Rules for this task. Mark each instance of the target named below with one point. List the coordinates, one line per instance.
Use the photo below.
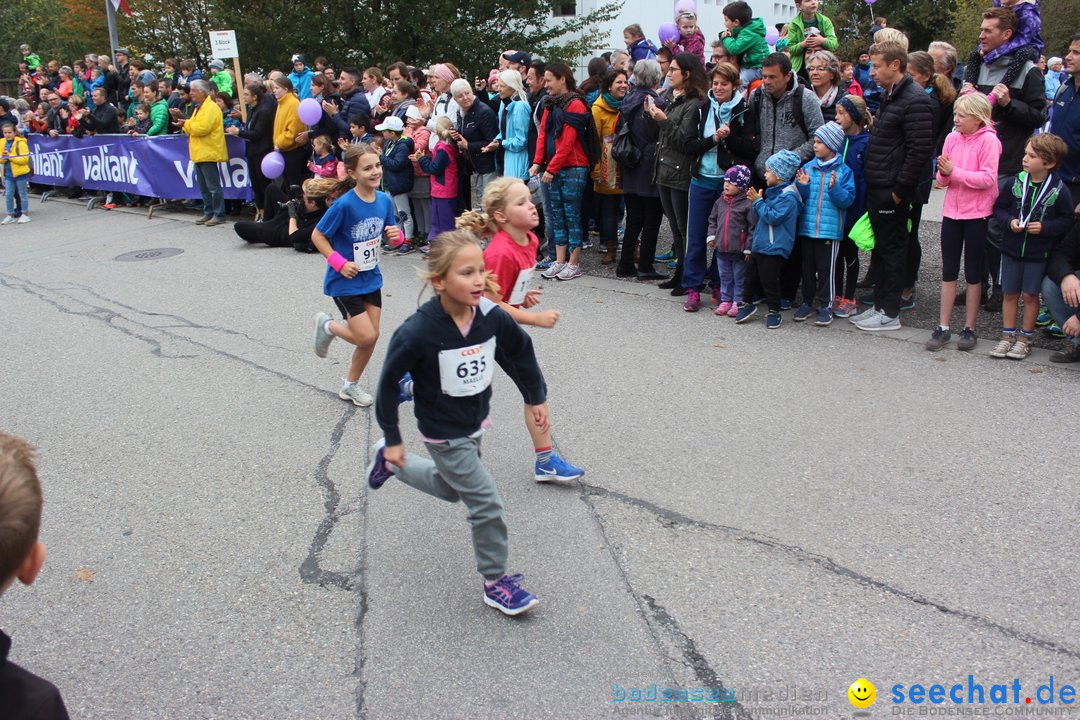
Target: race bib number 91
(467, 371)
(366, 253)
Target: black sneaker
(938, 339)
(1067, 356)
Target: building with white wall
(650, 14)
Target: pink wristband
(336, 260)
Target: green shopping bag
(862, 234)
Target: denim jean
(566, 191)
(1055, 303)
(11, 187)
(213, 197)
(697, 265)
(610, 207)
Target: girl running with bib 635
(449, 346)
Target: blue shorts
(1018, 276)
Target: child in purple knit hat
(731, 225)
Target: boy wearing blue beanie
(827, 188)
(777, 213)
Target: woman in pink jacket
(967, 169)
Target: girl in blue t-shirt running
(350, 235)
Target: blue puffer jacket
(854, 149)
(823, 217)
(397, 166)
(777, 215)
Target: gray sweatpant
(454, 473)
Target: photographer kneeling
(290, 222)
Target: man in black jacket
(1061, 292)
(353, 101)
(100, 118)
(1019, 111)
(55, 122)
(900, 147)
(122, 70)
(477, 127)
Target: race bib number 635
(467, 371)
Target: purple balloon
(772, 36)
(273, 164)
(685, 6)
(310, 111)
(669, 33)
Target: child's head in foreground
(21, 555)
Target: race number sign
(467, 371)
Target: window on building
(565, 8)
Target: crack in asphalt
(675, 518)
(107, 315)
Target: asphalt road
(773, 514)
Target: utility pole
(110, 14)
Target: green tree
(923, 20)
(371, 32)
(1061, 20)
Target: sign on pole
(223, 44)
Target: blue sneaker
(665, 257)
(322, 338)
(1045, 318)
(673, 264)
(404, 388)
(405, 248)
(543, 264)
(557, 469)
(802, 313)
(746, 311)
(1054, 331)
(773, 320)
(824, 317)
(785, 305)
(377, 473)
(508, 597)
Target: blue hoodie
(777, 213)
(854, 149)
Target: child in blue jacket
(827, 188)
(777, 213)
(398, 170)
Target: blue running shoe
(543, 264)
(508, 597)
(405, 248)
(664, 257)
(405, 388)
(824, 318)
(673, 264)
(1054, 331)
(785, 305)
(1045, 318)
(773, 320)
(746, 311)
(802, 313)
(377, 473)
(557, 469)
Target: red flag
(122, 6)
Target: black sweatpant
(764, 271)
(890, 254)
(792, 274)
(818, 268)
(677, 210)
(847, 268)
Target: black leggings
(676, 205)
(967, 237)
(643, 214)
(847, 268)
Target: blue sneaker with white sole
(746, 311)
(377, 472)
(507, 596)
(556, 469)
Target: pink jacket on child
(972, 188)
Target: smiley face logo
(862, 693)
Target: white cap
(413, 113)
(391, 123)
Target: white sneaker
(23, 219)
(555, 269)
(569, 272)
(7, 221)
(864, 315)
(356, 396)
(879, 322)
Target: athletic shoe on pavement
(378, 472)
(553, 270)
(322, 338)
(355, 395)
(507, 596)
(556, 469)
